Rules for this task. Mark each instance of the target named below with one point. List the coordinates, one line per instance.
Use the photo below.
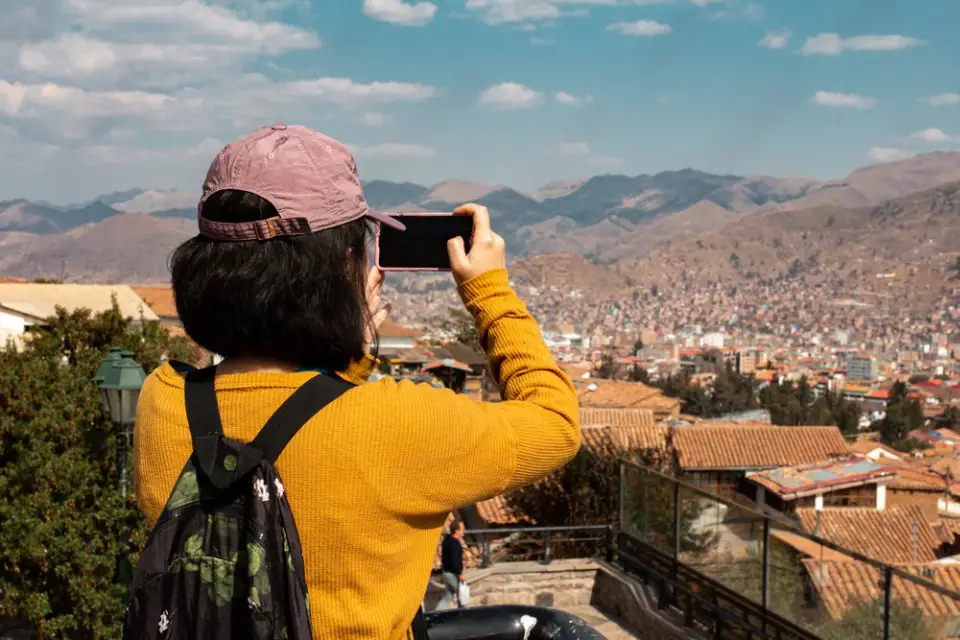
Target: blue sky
(98, 95)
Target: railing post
(547, 548)
(608, 543)
(485, 560)
(887, 593)
(676, 520)
(623, 496)
(676, 536)
(765, 575)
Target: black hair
(300, 300)
(455, 525)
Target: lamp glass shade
(120, 378)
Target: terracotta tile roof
(912, 476)
(755, 447)
(618, 441)
(866, 446)
(159, 299)
(885, 535)
(842, 584)
(618, 394)
(807, 546)
(390, 329)
(496, 512)
(952, 526)
(615, 417)
(792, 482)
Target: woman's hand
(377, 313)
(487, 249)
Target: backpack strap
(306, 402)
(210, 448)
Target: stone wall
(560, 584)
(633, 606)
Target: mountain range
(607, 219)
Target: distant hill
(123, 248)
(633, 222)
(914, 234)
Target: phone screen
(423, 245)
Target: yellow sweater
(372, 478)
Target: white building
(24, 306)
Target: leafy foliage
(731, 393)
(588, 491)
(66, 528)
(795, 404)
(903, 415)
(864, 621)
(608, 369)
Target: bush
(66, 528)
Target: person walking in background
(451, 566)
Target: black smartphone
(422, 246)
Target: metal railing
(705, 552)
(545, 544)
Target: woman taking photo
(277, 283)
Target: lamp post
(120, 378)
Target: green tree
(951, 416)
(864, 621)
(894, 428)
(588, 491)
(66, 529)
(638, 374)
(608, 368)
(903, 415)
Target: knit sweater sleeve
(477, 450)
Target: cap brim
(388, 220)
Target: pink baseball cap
(309, 178)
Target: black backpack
(224, 559)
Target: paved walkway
(607, 627)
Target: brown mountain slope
(880, 182)
(126, 248)
(916, 233)
(569, 271)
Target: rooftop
(39, 301)
(798, 481)
(887, 536)
(702, 447)
(159, 298)
(841, 584)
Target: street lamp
(120, 378)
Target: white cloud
(578, 149)
(540, 41)
(831, 44)
(401, 13)
(776, 39)
(886, 154)
(32, 100)
(374, 119)
(933, 135)
(942, 99)
(583, 152)
(842, 100)
(562, 97)
(495, 12)
(508, 96)
(643, 28)
(395, 150)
